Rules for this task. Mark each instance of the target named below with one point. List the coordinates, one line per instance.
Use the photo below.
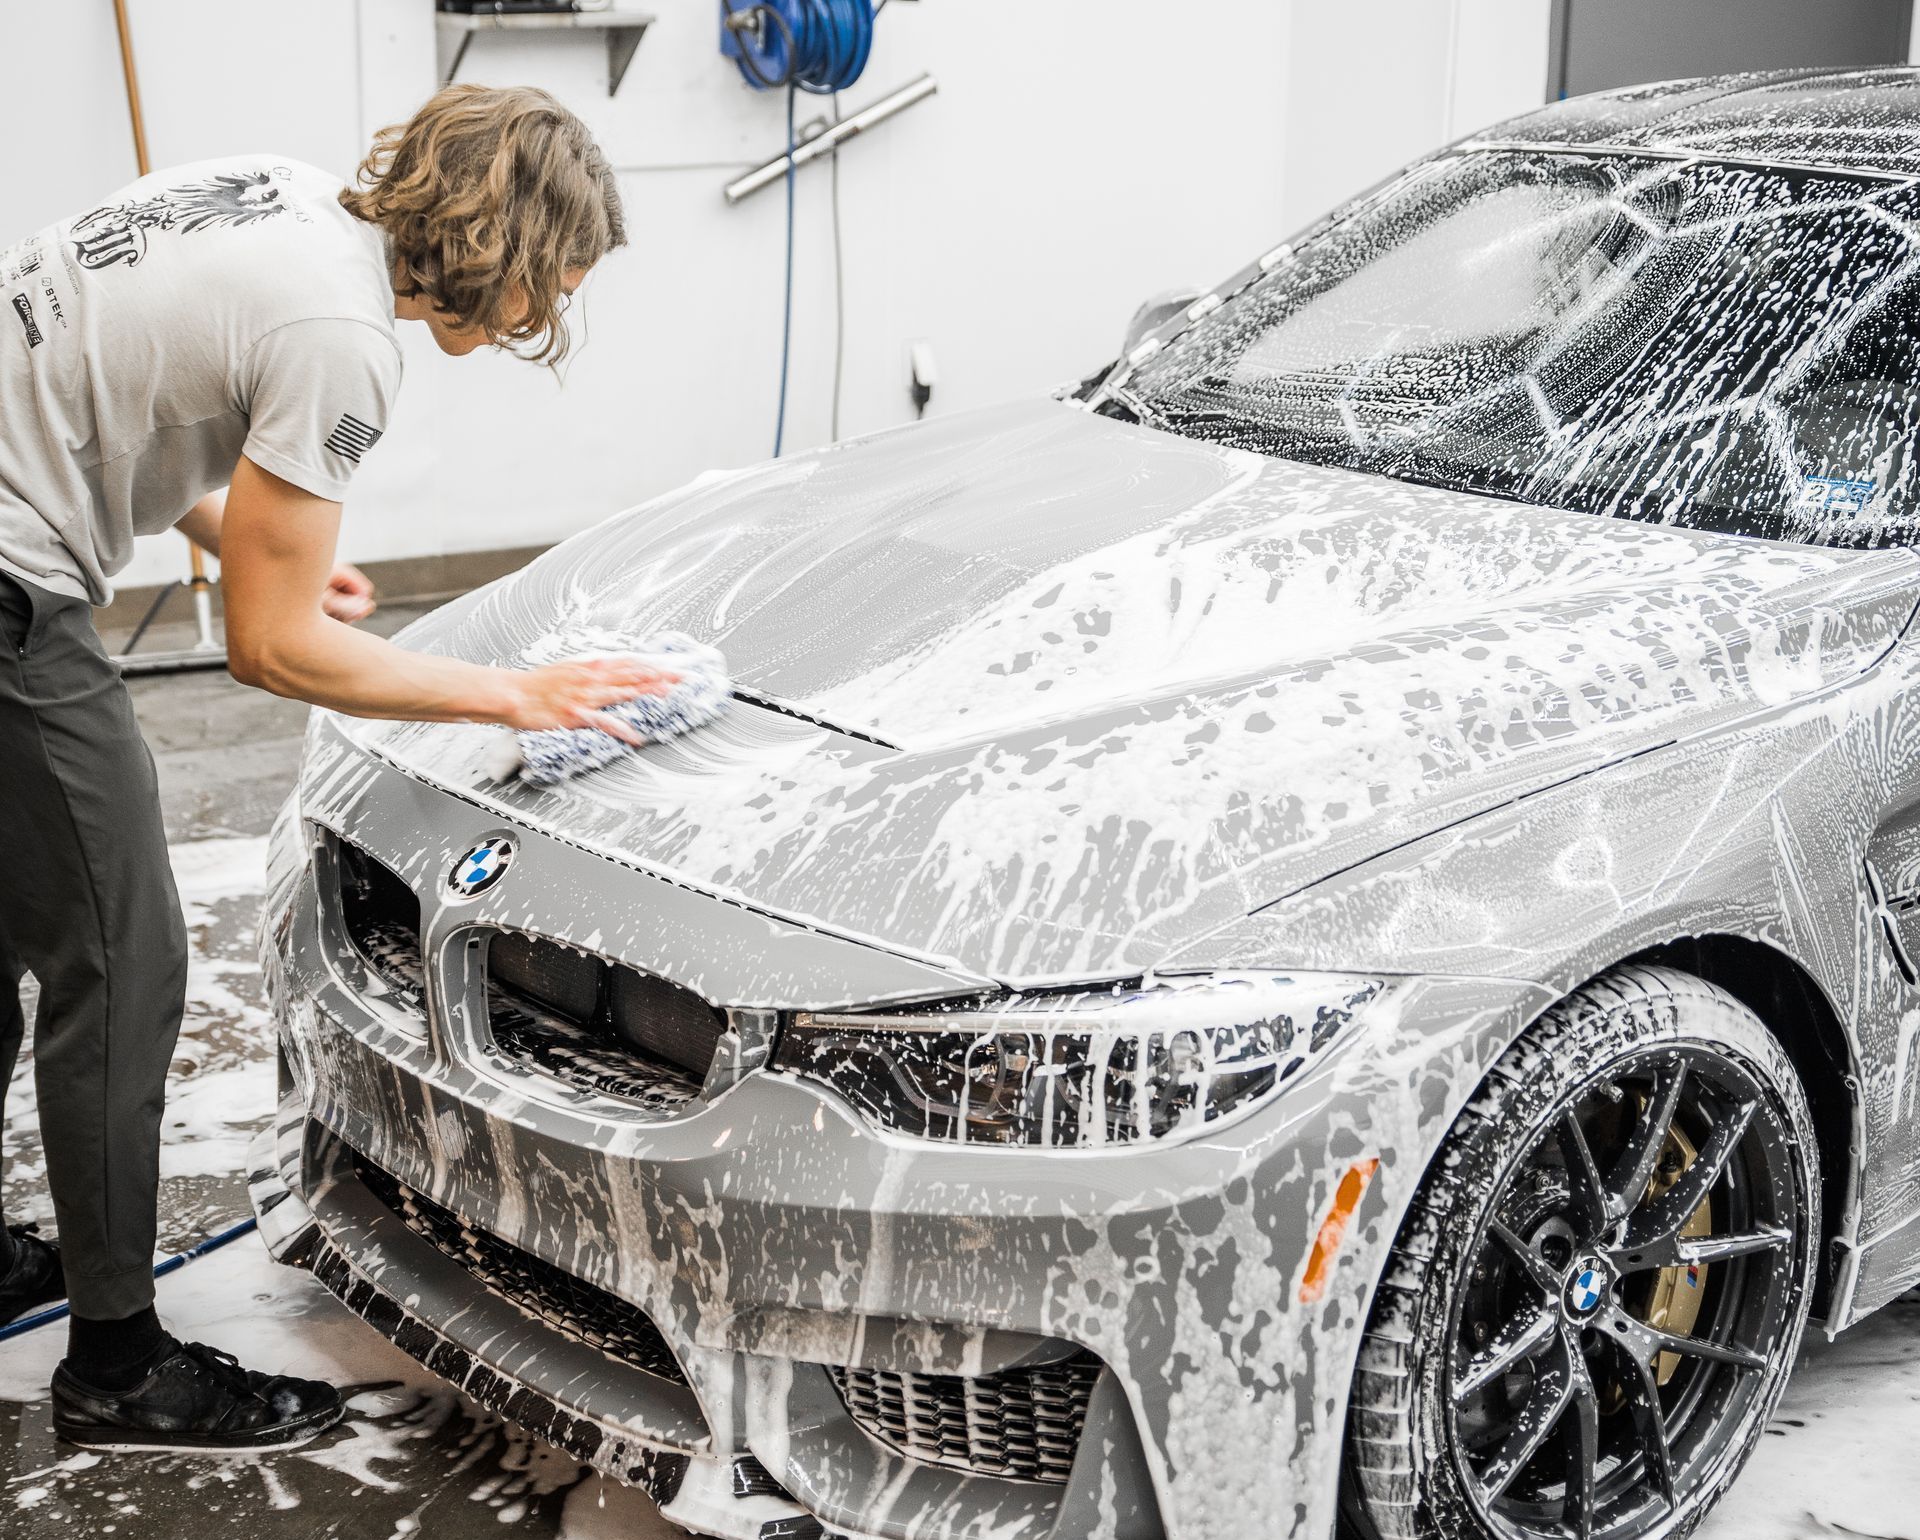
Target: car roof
(1865, 120)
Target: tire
(1470, 1418)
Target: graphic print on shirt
(351, 437)
(23, 307)
(24, 271)
(116, 233)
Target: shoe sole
(288, 1435)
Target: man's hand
(573, 695)
(348, 595)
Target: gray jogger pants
(89, 908)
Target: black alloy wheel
(1596, 1297)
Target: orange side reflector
(1333, 1229)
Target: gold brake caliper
(1674, 1302)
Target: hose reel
(819, 46)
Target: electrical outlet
(925, 374)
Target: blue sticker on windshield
(1835, 495)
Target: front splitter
(730, 1498)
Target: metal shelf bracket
(454, 31)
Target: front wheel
(1597, 1294)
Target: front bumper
(769, 1234)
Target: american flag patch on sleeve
(352, 438)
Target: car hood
(1039, 695)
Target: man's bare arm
(349, 593)
(276, 545)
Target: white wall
(1374, 84)
(1081, 154)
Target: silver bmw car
(1318, 935)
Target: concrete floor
(414, 1459)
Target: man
(226, 323)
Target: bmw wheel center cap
(480, 867)
(1589, 1282)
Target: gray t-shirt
(226, 307)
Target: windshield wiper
(1127, 406)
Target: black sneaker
(195, 1398)
(36, 1278)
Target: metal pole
(202, 587)
(830, 139)
(206, 651)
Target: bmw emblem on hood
(481, 867)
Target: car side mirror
(1154, 313)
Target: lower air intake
(564, 1302)
(1021, 1424)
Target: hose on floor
(165, 1265)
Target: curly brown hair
(489, 198)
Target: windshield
(1711, 345)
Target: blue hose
(819, 46)
(165, 1265)
(786, 317)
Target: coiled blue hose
(819, 46)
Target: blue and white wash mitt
(552, 755)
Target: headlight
(1156, 1060)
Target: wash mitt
(552, 755)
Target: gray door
(1598, 44)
